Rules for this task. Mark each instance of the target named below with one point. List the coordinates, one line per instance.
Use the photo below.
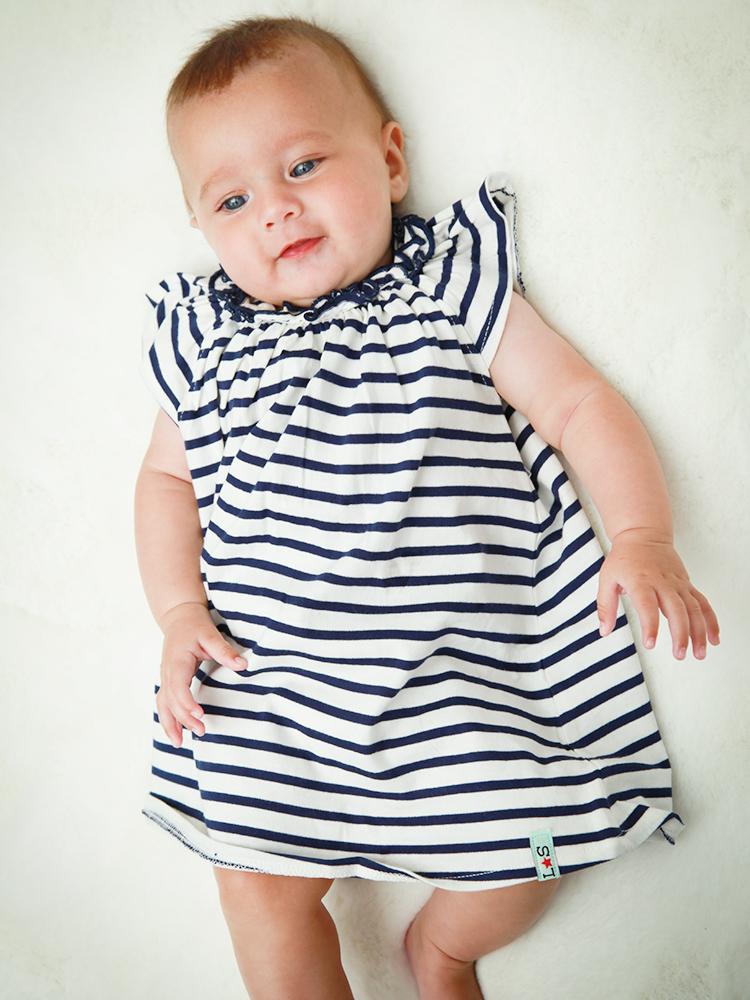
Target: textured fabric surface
(411, 576)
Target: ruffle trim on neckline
(412, 242)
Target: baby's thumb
(225, 654)
(606, 605)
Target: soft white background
(622, 128)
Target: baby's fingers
(171, 726)
(685, 621)
(175, 713)
(709, 615)
(697, 625)
(646, 605)
(174, 701)
(190, 715)
(215, 646)
(606, 603)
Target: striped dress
(411, 577)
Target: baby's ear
(193, 222)
(392, 136)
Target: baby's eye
(233, 202)
(302, 164)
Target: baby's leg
(453, 929)
(284, 939)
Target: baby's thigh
(465, 925)
(261, 894)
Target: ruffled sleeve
(476, 264)
(173, 335)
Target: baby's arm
(576, 411)
(168, 544)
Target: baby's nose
(279, 207)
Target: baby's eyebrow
(285, 142)
(215, 177)
(289, 140)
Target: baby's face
(291, 150)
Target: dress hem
(670, 825)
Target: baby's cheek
(370, 236)
(249, 272)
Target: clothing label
(543, 851)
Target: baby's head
(279, 136)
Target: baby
(388, 625)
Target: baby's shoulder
(184, 319)
(180, 291)
(476, 246)
(488, 206)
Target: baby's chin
(301, 294)
(306, 288)
(292, 297)
(276, 296)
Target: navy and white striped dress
(411, 576)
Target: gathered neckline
(412, 243)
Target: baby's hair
(238, 45)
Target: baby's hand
(190, 637)
(646, 567)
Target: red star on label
(546, 862)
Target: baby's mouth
(300, 247)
